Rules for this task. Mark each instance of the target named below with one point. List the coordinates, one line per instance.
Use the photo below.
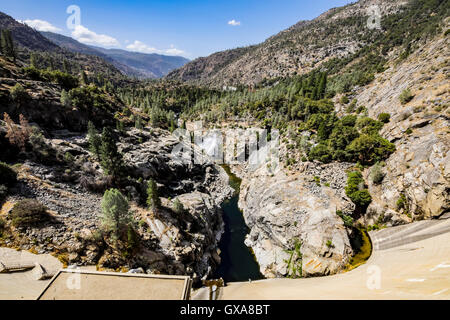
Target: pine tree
(110, 158)
(65, 99)
(138, 122)
(66, 67)
(116, 216)
(94, 140)
(7, 44)
(33, 60)
(84, 79)
(322, 86)
(153, 200)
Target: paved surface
(408, 262)
(88, 285)
(22, 285)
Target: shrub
(402, 202)
(7, 175)
(369, 148)
(28, 212)
(384, 117)
(17, 135)
(68, 157)
(18, 93)
(377, 174)
(178, 206)
(321, 152)
(344, 100)
(406, 96)
(356, 190)
(348, 220)
(361, 198)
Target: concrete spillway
(408, 262)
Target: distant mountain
(151, 65)
(73, 45)
(132, 64)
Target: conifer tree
(94, 140)
(65, 99)
(110, 158)
(153, 200)
(116, 216)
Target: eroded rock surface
(282, 211)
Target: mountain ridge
(133, 64)
(296, 50)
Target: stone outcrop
(282, 211)
(416, 182)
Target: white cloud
(234, 23)
(87, 36)
(139, 46)
(41, 25)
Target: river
(238, 262)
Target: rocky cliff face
(287, 213)
(169, 242)
(417, 181)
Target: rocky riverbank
(294, 226)
(169, 243)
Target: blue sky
(189, 28)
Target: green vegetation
(65, 99)
(7, 175)
(88, 98)
(18, 93)
(178, 206)
(153, 200)
(116, 217)
(348, 139)
(28, 212)
(406, 96)
(7, 46)
(348, 220)
(376, 174)
(64, 79)
(294, 263)
(356, 190)
(402, 203)
(94, 139)
(384, 117)
(110, 158)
